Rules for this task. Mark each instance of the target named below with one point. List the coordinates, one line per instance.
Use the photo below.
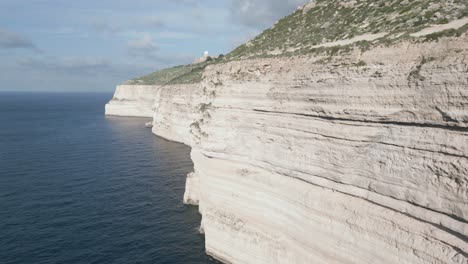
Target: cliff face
(175, 110)
(132, 100)
(172, 107)
(329, 146)
(361, 160)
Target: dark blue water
(77, 187)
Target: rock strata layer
(175, 111)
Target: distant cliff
(340, 135)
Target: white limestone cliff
(172, 107)
(360, 159)
(300, 161)
(175, 111)
(132, 100)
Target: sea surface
(79, 187)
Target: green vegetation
(178, 74)
(446, 33)
(361, 64)
(326, 21)
(333, 20)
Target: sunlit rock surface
(360, 160)
(132, 100)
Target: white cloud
(112, 26)
(82, 66)
(143, 47)
(12, 40)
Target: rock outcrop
(132, 100)
(342, 149)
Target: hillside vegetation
(314, 27)
(325, 21)
(191, 73)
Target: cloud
(11, 40)
(78, 73)
(143, 47)
(259, 14)
(109, 26)
(147, 50)
(151, 22)
(68, 73)
(187, 2)
(72, 66)
(104, 27)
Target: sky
(93, 45)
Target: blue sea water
(79, 187)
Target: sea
(79, 187)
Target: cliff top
(336, 26)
